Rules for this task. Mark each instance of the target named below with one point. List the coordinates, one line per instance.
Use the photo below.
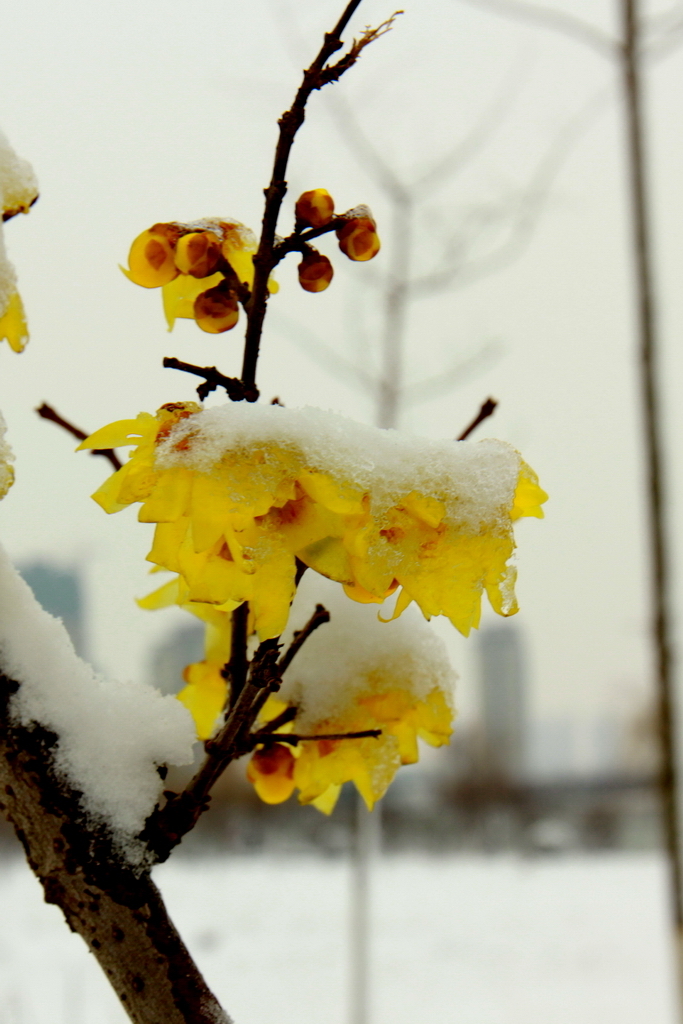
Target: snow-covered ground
(467, 940)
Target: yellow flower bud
(151, 259)
(315, 208)
(216, 309)
(315, 272)
(358, 239)
(198, 253)
(271, 771)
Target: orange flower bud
(271, 770)
(315, 208)
(198, 253)
(315, 272)
(151, 259)
(216, 309)
(358, 239)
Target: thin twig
(319, 616)
(314, 78)
(48, 413)
(237, 668)
(487, 409)
(286, 716)
(560, 21)
(293, 740)
(213, 378)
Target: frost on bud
(315, 272)
(198, 253)
(271, 771)
(358, 238)
(216, 309)
(151, 258)
(315, 208)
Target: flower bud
(216, 309)
(315, 272)
(198, 253)
(151, 259)
(271, 770)
(315, 208)
(358, 239)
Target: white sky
(137, 112)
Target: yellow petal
(529, 496)
(164, 597)
(179, 295)
(13, 324)
(122, 432)
(326, 801)
(204, 696)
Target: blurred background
(520, 876)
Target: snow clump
(111, 735)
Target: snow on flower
(6, 460)
(354, 674)
(111, 735)
(18, 191)
(240, 492)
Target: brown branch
(116, 910)
(487, 409)
(314, 78)
(319, 616)
(48, 413)
(237, 668)
(288, 715)
(294, 740)
(167, 826)
(213, 378)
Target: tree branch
(488, 408)
(319, 616)
(314, 78)
(213, 378)
(293, 740)
(117, 911)
(46, 412)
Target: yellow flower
(315, 208)
(315, 272)
(197, 266)
(18, 192)
(358, 238)
(239, 493)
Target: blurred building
(60, 591)
(181, 647)
(503, 704)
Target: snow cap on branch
(111, 736)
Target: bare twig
(48, 413)
(488, 408)
(560, 21)
(315, 77)
(293, 740)
(319, 616)
(213, 378)
(237, 668)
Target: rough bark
(116, 909)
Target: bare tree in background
(487, 238)
(640, 39)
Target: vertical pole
(659, 552)
(367, 831)
(395, 313)
(367, 826)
